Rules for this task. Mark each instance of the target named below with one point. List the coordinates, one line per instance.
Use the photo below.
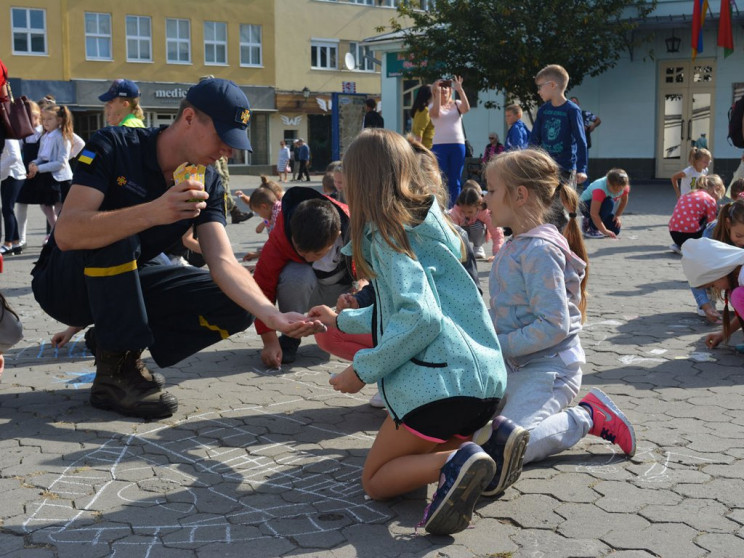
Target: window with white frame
(389, 3)
(178, 41)
(28, 27)
(323, 54)
(360, 53)
(215, 42)
(251, 51)
(139, 39)
(97, 36)
(365, 2)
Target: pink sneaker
(609, 422)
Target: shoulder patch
(86, 157)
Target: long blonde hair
(385, 187)
(538, 172)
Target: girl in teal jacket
(436, 359)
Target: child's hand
(580, 178)
(61, 338)
(712, 340)
(610, 234)
(711, 314)
(261, 226)
(359, 285)
(490, 258)
(239, 193)
(347, 381)
(251, 256)
(326, 316)
(345, 301)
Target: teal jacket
(432, 333)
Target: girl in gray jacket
(538, 303)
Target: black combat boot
(239, 216)
(124, 384)
(92, 346)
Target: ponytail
(570, 201)
(63, 113)
(135, 108)
(733, 281)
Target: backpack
(736, 116)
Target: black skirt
(42, 189)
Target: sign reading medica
(175, 93)
(154, 95)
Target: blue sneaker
(592, 233)
(506, 446)
(462, 480)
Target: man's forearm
(88, 230)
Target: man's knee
(297, 282)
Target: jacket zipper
(378, 308)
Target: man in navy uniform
(124, 209)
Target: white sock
(483, 431)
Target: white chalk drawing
(659, 471)
(635, 359)
(702, 357)
(603, 322)
(75, 348)
(219, 477)
(656, 351)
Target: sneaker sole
(513, 462)
(605, 400)
(456, 510)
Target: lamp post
(672, 43)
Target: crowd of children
(472, 392)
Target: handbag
(15, 115)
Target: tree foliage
(500, 44)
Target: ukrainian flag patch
(86, 157)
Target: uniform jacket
(432, 333)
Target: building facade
(655, 104)
(288, 56)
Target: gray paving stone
(267, 463)
(663, 539)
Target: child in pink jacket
(470, 213)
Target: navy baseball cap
(227, 106)
(120, 88)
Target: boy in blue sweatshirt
(518, 136)
(559, 127)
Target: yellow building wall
(65, 26)
(49, 66)
(299, 21)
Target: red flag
(725, 32)
(698, 18)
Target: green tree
(500, 44)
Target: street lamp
(672, 43)
(306, 93)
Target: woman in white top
(282, 162)
(449, 136)
(12, 175)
